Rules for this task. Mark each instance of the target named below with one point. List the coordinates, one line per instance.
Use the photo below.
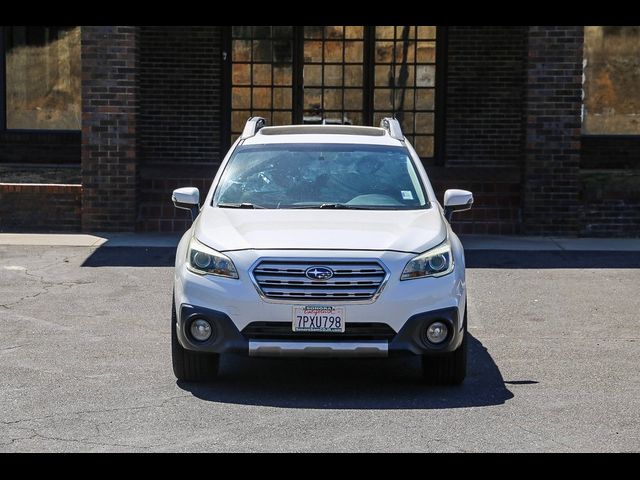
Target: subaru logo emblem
(318, 273)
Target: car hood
(412, 231)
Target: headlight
(206, 261)
(434, 263)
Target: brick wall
(156, 212)
(484, 95)
(180, 120)
(496, 193)
(610, 203)
(552, 150)
(40, 147)
(610, 152)
(109, 110)
(39, 208)
(180, 94)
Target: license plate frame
(318, 319)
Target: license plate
(317, 318)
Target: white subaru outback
(320, 241)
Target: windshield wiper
(330, 205)
(238, 205)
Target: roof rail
(392, 126)
(253, 126)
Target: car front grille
(352, 280)
(283, 331)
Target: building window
(352, 75)
(261, 75)
(405, 80)
(42, 78)
(611, 80)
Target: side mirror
(187, 199)
(456, 201)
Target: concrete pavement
(85, 365)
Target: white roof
(322, 134)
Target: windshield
(320, 176)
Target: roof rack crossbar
(392, 126)
(253, 126)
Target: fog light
(437, 332)
(200, 330)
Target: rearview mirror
(456, 201)
(187, 199)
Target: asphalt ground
(85, 365)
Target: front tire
(447, 368)
(187, 365)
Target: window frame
(3, 100)
(439, 134)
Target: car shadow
(510, 259)
(507, 259)
(131, 257)
(392, 383)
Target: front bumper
(226, 338)
(404, 307)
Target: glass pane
(353, 75)
(384, 52)
(426, 75)
(353, 99)
(241, 98)
(282, 51)
(353, 52)
(312, 98)
(261, 31)
(425, 99)
(405, 76)
(43, 77)
(353, 32)
(333, 99)
(333, 52)
(261, 98)
(385, 32)
(261, 51)
(281, 118)
(282, 98)
(405, 52)
(383, 99)
(282, 31)
(238, 120)
(261, 74)
(384, 77)
(241, 50)
(241, 74)
(426, 33)
(406, 120)
(333, 75)
(423, 145)
(404, 99)
(313, 52)
(313, 75)
(424, 122)
(282, 75)
(611, 80)
(426, 52)
(313, 32)
(333, 32)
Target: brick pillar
(109, 110)
(552, 149)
